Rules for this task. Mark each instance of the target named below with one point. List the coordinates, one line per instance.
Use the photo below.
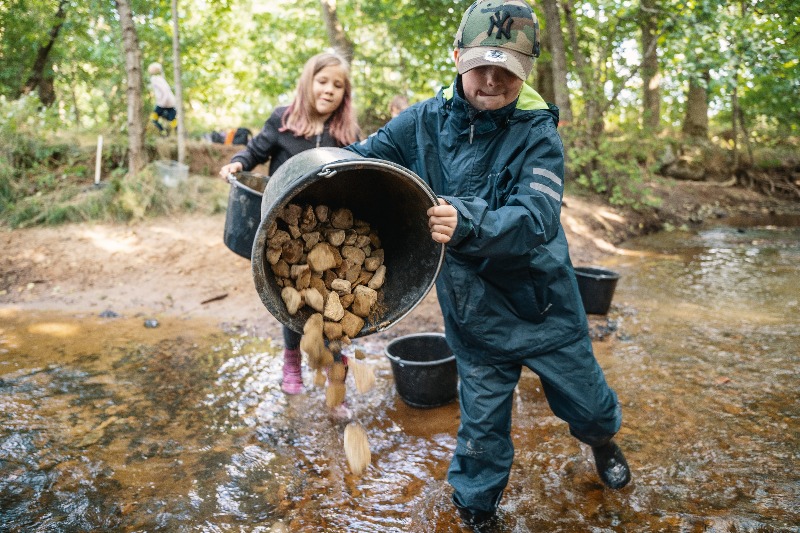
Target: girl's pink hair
(301, 117)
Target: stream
(108, 425)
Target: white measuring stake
(98, 159)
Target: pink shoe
(342, 412)
(292, 373)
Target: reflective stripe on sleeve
(546, 190)
(547, 174)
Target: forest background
(691, 89)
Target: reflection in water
(108, 425)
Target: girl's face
(328, 89)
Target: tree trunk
(735, 107)
(543, 82)
(41, 78)
(651, 76)
(176, 61)
(559, 59)
(75, 103)
(695, 124)
(133, 70)
(592, 91)
(336, 34)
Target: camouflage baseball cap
(499, 33)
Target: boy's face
(488, 88)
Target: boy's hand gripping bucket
(392, 199)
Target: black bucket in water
(424, 369)
(244, 211)
(596, 286)
(391, 198)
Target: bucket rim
(233, 179)
(171, 163)
(405, 362)
(596, 272)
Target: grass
(52, 182)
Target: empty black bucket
(391, 198)
(596, 286)
(244, 211)
(424, 369)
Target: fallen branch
(214, 298)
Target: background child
(165, 100)
(321, 114)
(398, 104)
(488, 147)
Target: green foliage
(616, 167)
(242, 58)
(750, 47)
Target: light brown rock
(333, 308)
(292, 251)
(351, 324)
(314, 299)
(273, 255)
(291, 214)
(354, 254)
(341, 286)
(332, 330)
(335, 237)
(322, 212)
(277, 240)
(342, 218)
(378, 279)
(322, 257)
(308, 220)
(292, 298)
(281, 269)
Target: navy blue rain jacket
(507, 288)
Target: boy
(488, 147)
(165, 100)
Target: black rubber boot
(611, 465)
(475, 519)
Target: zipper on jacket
(319, 139)
(471, 132)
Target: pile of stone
(329, 261)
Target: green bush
(617, 167)
(49, 180)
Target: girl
(321, 114)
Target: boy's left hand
(442, 220)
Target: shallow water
(109, 425)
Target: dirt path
(180, 267)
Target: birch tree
(133, 71)
(176, 61)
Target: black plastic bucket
(244, 211)
(596, 286)
(424, 369)
(391, 198)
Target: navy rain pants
(576, 391)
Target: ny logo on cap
(503, 25)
